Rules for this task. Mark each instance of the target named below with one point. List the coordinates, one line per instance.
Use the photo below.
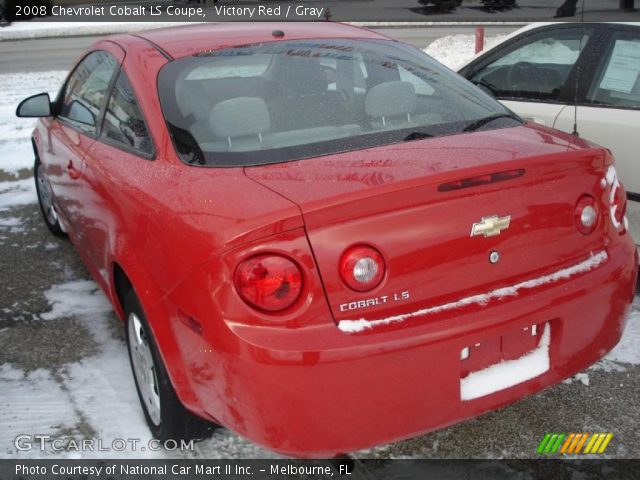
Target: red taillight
(617, 201)
(586, 214)
(362, 268)
(619, 206)
(268, 282)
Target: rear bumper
(318, 392)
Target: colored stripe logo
(574, 443)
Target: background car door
(116, 167)
(609, 111)
(535, 74)
(72, 132)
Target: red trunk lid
(389, 198)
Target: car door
(608, 111)
(73, 130)
(535, 74)
(115, 168)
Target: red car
(323, 239)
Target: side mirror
(80, 113)
(36, 106)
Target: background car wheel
(45, 200)
(166, 416)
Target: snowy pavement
(64, 369)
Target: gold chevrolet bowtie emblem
(490, 226)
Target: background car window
(123, 121)
(617, 83)
(536, 68)
(86, 89)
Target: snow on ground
(79, 296)
(17, 154)
(80, 400)
(10, 225)
(455, 50)
(15, 133)
(15, 87)
(627, 352)
(31, 403)
(11, 222)
(16, 193)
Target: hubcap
(144, 368)
(46, 200)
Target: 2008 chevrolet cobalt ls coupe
(323, 239)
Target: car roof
(188, 40)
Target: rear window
(290, 100)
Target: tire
(45, 200)
(165, 415)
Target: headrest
(240, 117)
(390, 99)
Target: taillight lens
(619, 207)
(362, 268)
(268, 282)
(586, 214)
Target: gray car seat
(239, 124)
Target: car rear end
(459, 332)
(447, 266)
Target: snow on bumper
(482, 299)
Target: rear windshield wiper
(472, 127)
(416, 136)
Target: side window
(535, 68)
(123, 121)
(617, 83)
(86, 89)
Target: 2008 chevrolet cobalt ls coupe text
(323, 239)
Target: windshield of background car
(280, 101)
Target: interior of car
(294, 101)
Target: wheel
(45, 200)
(166, 416)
